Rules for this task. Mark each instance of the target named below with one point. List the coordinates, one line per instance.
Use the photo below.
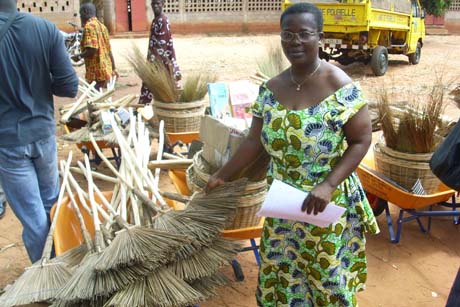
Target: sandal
(2, 209)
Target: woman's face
(157, 7)
(300, 38)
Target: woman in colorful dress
(161, 47)
(313, 121)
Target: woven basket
(180, 116)
(197, 176)
(405, 168)
(246, 212)
(203, 171)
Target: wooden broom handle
(46, 255)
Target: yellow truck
(368, 30)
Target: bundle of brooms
(84, 116)
(158, 78)
(417, 126)
(270, 65)
(143, 253)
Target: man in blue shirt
(34, 66)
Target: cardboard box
(220, 140)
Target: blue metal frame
(116, 156)
(255, 249)
(415, 215)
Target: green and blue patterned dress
(304, 265)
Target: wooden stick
(46, 255)
(96, 175)
(96, 221)
(139, 194)
(65, 118)
(131, 159)
(84, 230)
(104, 200)
(171, 156)
(104, 96)
(83, 196)
(171, 164)
(174, 196)
(161, 143)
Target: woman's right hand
(213, 182)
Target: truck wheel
(379, 60)
(414, 58)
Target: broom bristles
(160, 288)
(81, 286)
(208, 285)
(273, 62)
(155, 76)
(195, 86)
(206, 261)
(72, 257)
(140, 244)
(414, 131)
(38, 283)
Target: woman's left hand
(318, 198)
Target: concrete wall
(206, 16)
(58, 11)
(452, 22)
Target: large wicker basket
(405, 168)
(251, 200)
(180, 116)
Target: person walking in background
(34, 66)
(161, 47)
(314, 122)
(95, 48)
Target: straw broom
(155, 76)
(207, 285)
(81, 286)
(160, 288)
(206, 261)
(41, 281)
(135, 244)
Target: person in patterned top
(161, 47)
(313, 121)
(95, 48)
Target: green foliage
(435, 7)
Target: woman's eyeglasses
(304, 36)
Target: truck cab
(368, 31)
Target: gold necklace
(299, 85)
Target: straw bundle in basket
(250, 200)
(405, 169)
(180, 116)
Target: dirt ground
(416, 272)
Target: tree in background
(436, 7)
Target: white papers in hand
(285, 202)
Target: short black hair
(89, 9)
(304, 7)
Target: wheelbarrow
(86, 147)
(381, 191)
